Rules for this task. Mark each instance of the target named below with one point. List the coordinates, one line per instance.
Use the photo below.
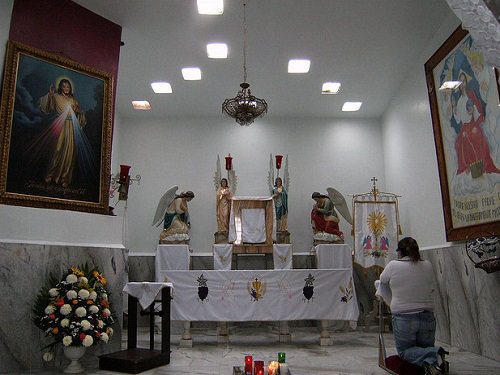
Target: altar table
(263, 295)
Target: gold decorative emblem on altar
(256, 288)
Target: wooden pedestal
(135, 360)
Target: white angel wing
(218, 174)
(232, 180)
(163, 205)
(286, 176)
(270, 176)
(340, 203)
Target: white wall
(339, 153)
(322, 152)
(409, 152)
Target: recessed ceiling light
(450, 85)
(191, 74)
(351, 106)
(210, 6)
(330, 88)
(298, 65)
(141, 104)
(217, 50)
(161, 87)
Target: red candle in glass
(248, 365)
(229, 162)
(259, 368)
(279, 159)
(124, 169)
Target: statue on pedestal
(278, 188)
(225, 189)
(324, 218)
(173, 211)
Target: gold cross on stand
(374, 189)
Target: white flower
(110, 331)
(71, 294)
(106, 313)
(85, 325)
(105, 337)
(48, 356)
(100, 323)
(67, 340)
(93, 309)
(50, 309)
(83, 293)
(81, 312)
(83, 280)
(93, 295)
(88, 341)
(53, 292)
(104, 296)
(65, 309)
(71, 279)
(65, 322)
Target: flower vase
(74, 353)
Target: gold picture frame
(467, 149)
(55, 132)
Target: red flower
(60, 302)
(82, 336)
(52, 316)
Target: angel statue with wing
(224, 191)
(324, 218)
(278, 188)
(173, 211)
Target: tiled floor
(352, 352)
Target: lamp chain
(244, 43)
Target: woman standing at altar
(223, 205)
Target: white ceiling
(367, 45)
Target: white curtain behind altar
(252, 220)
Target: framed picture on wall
(463, 94)
(55, 132)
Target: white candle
(283, 369)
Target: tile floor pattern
(352, 353)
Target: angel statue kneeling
(324, 218)
(173, 211)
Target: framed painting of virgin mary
(464, 100)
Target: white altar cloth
(145, 292)
(171, 257)
(333, 256)
(263, 295)
(282, 256)
(223, 256)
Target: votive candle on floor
(248, 365)
(281, 357)
(283, 368)
(272, 369)
(258, 366)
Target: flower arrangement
(75, 310)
